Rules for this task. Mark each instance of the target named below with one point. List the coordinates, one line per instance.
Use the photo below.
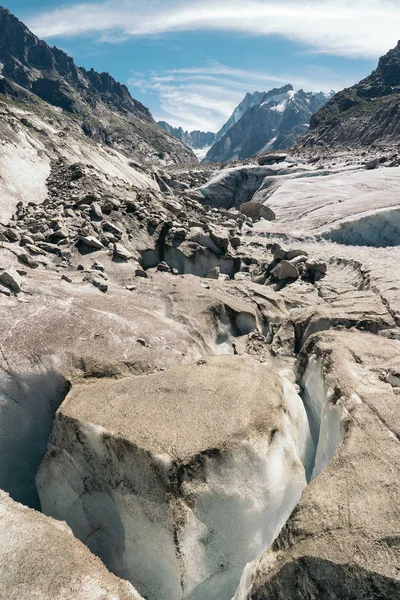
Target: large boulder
(178, 479)
(40, 558)
(257, 211)
(271, 159)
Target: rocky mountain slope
(197, 140)
(31, 71)
(367, 113)
(199, 372)
(265, 121)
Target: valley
(199, 362)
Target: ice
(325, 417)
(117, 499)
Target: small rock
(28, 260)
(11, 279)
(141, 273)
(290, 254)
(130, 288)
(372, 164)
(110, 227)
(96, 281)
(277, 251)
(235, 242)
(220, 237)
(98, 266)
(121, 252)
(96, 212)
(317, 265)
(12, 234)
(214, 273)
(174, 207)
(162, 266)
(285, 270)
(91, 242)
(66, 278)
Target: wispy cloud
(205, 97)
(359, 28)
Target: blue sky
(192, 62)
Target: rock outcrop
(30, 69)
(362, 115)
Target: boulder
(214, 273)
(235, 241)
(277, 251)
(372, 164)
(291, 254)
(285, 270)
(111, 228)
(121, 252)
(317, 265)
(27, 259)
(163, 267)
(12, 234)
(270, 159)
(220, 237)
(201, 491)
(174, 207)
(257, 211)
(91, 242)
(11, 278)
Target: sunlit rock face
(40, 558)
(178, 479)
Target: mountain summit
(199, 141)
(366, 113)
(266, 121)
(104, 108)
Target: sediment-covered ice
(41, 559)
(178, 479)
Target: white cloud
(205, 97)
(359, 28)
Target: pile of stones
(289, 265)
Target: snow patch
(201, 152)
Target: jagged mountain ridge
(366, 113)
(271, 121)
(104, 108)
(193, 139)
(248, 101)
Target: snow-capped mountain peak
(266, 121)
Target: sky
(192, 62)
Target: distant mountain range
(196, 140)
(31, 71)
(364, 114)
(266, 121)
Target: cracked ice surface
(181, 513)
(324, 415)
